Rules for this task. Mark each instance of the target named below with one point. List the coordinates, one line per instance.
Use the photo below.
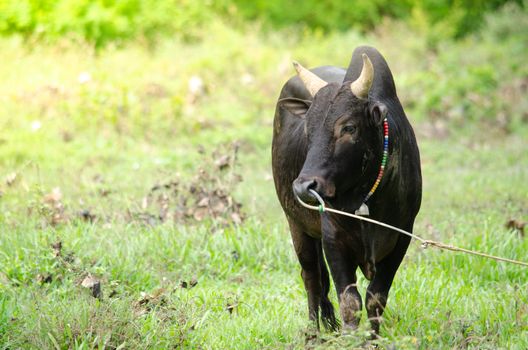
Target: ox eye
(348, 129)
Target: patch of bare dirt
(207, 195)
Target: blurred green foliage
(454, 17)
(104, 21)
(481, 78)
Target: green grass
(136, 124)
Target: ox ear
(295, 106)
(378, 112)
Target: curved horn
(361, 86)
(311, 81)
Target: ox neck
(363, 209)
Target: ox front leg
(343, 271)
(378, 289)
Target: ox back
(303, 123)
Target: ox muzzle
(303, 184)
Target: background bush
(103, 21)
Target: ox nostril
(302, 187)
(311, 185)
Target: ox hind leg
(315, 277)
(378, 289)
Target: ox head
(343, 129)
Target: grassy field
(130, 165)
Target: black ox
(328, 137)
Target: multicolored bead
(383, 160)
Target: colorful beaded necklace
(363, 209)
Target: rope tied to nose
(321, 208)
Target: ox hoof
(350, 308)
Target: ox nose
(302, 187)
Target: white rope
(425, 242)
